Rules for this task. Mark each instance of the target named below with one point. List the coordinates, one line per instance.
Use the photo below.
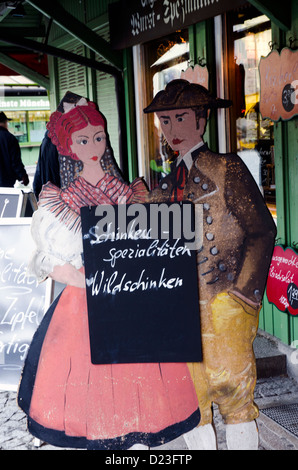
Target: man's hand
(25, 179)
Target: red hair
(61, 126)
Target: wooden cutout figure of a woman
(233, 263)
(69, 401)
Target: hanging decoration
(198, 74)
(279, 85)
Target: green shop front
(223, 50)
(29, 114)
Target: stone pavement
(269, 391)
(275, 390)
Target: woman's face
(89, 144)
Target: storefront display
(29, 115)
(252, 135)
(248, 134)
(164, 59)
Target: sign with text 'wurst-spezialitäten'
(136, 21)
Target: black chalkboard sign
(22, 301)
(141, 282)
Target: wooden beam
(35, 32)
(37, 46)
(279, 13)
(24, 70)
(79, 30)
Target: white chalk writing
(113, 284)
(156, 248)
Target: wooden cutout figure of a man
(233, 263)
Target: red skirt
(115, 403)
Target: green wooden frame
(280, 324)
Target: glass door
(156, 64)
(251, 136)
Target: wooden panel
(107, 100)
(72, 77)
(293, 187)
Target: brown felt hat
(180, 94)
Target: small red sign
(282, 282)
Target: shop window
(165, 59)
(18, 125)
(251, 136)
(28, 126)
(37, 121)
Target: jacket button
(191, 196)
(205, 186)
(210, 236)
(222, 267)
(257, 294)
(164, 186)
(197, 179)
(214, 251)
(206, 206)
(209, 220)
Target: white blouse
(56, 244)
(56, 225)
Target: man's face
(179, 127)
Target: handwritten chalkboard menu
(22, 300)
(141, 282)
(282, 283)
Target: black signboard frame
(137, 21)
(142, 296)
(23, 302)
(11, 203)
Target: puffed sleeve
(56, 243)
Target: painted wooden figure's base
(242, 436)
(37, 442)
(201, 438)
(139, 447)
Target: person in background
(47, 169)
(11, 165)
